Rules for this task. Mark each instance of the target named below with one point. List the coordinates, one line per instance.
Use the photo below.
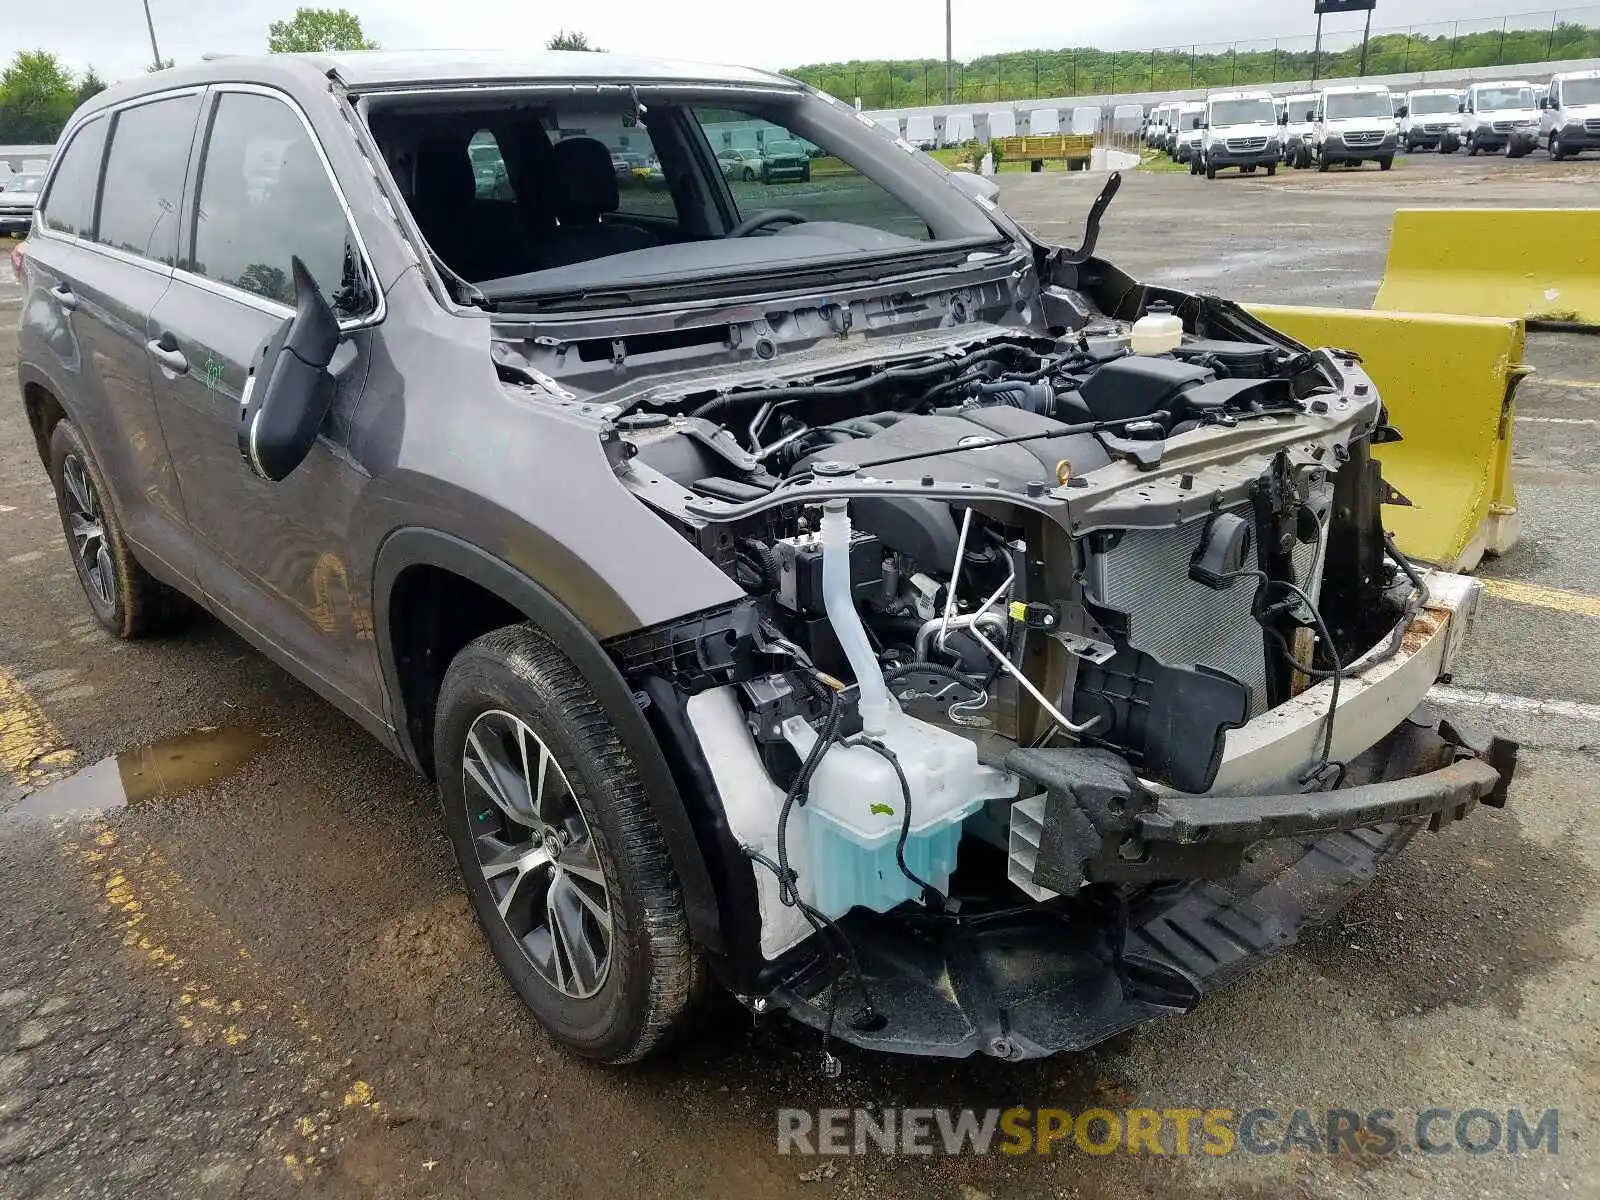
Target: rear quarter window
(69, 205)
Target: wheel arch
(417, 556)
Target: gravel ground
(260, 978)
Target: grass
(1157, 160)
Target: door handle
(169, 357)
(65, 297)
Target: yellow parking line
(28, 736)
(1586, 385)
(1543, 597)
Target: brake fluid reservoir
(1159, 331)
(856, 806)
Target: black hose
(894, 675)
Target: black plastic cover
(1138, 385)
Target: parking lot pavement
(258, 975)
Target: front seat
(477, 239)
(582, 188)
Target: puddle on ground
(160, 770)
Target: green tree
(571, 41)
(37, 95)
(314, 29)
(90, 85)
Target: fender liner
(417, 546)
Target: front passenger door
(270, 556)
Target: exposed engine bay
(984, 579)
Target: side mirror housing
(289, 390)
(1544, 102)
(1461, 108)
(1283, 118)
(1403, 111)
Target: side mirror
(1544, 102)
(1461, 108)
(289, 391)
(1283, 118)
(979, 187)
(1403, 111)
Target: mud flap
(1542, 265)
(1449, 385)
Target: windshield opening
(1343, 105)
(1502, 98)
(1243, 112)
(1580, 91)
(538, 193)
(1426, 106)
(21, 183)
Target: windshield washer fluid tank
(855, 807)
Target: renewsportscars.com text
(1168, 1131)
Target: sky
(111, 35)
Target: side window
(144, 177)
(69, 205)
(264, 198)
(774, 169)
(491, 180)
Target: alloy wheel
(88, 530)
(536, 854)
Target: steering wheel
(760, 220)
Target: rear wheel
(123, 596)
(564, 863)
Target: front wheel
(1272, 169)
(1472, 146)
(1554, 147)
(564, 863)
(1386, 162)
(749, 176)
(1211, 170)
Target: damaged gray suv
(798, 585)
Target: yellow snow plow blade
(1448, 383)
(1542, 264)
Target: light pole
(155, 52)
(949, 56)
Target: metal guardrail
(1545, 36)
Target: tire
(1449, 144)
(614, 998)
(1517, 149)
(1554, 148)
(1211, 170)
(1272, 169)
(805, 175)
(749, 176)
(124, 597)
(1322, 163)
(1472, 145)
(1385, 162)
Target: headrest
(444, 175)
(583, 183)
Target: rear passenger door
(104, 254)
(270, 555)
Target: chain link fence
(1550, 35)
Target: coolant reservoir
(1159, 331)
(856, 807)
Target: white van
(1186, 137)
(1569, 122)
(921, 132)
(958, 129)
(1044, 121)
(1002, 124)
(1428, 119)
(1240, 130)
(1296, 121)
(1500, 113)
(1354, 124)
(1155, 126)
